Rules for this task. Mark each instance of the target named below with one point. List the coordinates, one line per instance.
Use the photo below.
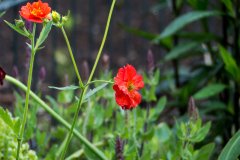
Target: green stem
(91, 75)
(18, 149)
(27, 95)
(55, 115)
(74, 121)
(71, 54)
(97, 81)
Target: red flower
(2, 75)
(35, 12)
(126, 85)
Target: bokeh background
(85, 29)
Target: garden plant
(119, 117)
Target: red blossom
(126, 85)
(2, 75)
(35, 12)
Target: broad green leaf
(139, 124)
(182, 48)
(231, 151)
(230, 64)
(182, 21)
(159, 108)
(16, 28)
(91, 92)
(64, 88)
(179, 132)
(209, 91)
(65, 96)
(205, 151)
(131, 150)
(44, 34)
(201, 134)
(149, 134)
(229, 6)
(156, 77)
(163, 132)
(1, 14)
(165, 42)
(17, 127)
(151, 94)
(6, 117)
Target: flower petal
(135, 98)
(137, 82)
(121, 98)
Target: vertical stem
(71, 54)
(27, 95)
(74, 121)
(237, 57)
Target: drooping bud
(2, 75)
(19, 23)
(192, 110)
(150, 62)
(119, 149)
(15, 72)
(42, 74)
(85, 70)
(55, 16)
(105, 62)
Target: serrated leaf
(17, 127)
(1, 14)
(209, 91)
(17, 29)
(231, 150)
(182, 21)
(64, 88)
(6, 117)
(44, 33)
(159, 108)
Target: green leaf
(230, 64)
(201, 134)
(64, 88)
(149, 134)
(131, 148)
(177, 51)
(16, 28)
(151, 94)
(209, 91)
(17, 127)
(91, 92)
(156, 77)
(1, 14)
(90, 154)
(229, 6)
(182, 21)
(205, 151)
(231, 150)
(44, 33)
(6, 117)
(65, 96)
(166, 43)
(159, 108)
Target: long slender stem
(27, 95)
(90, 77)
(71, 54)
(55, 115)
(73, 124)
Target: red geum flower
(126, 85)
(2, 75)
(35, 12)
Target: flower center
(130, 86)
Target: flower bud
(55, 16)
(119, 149)
(85, 70)
(64, 19)
(192, 110)
(150, 62)
(2, 75)
(19, 23)
(42, 74)
(15, 72)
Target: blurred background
(85, 29)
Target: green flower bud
(55, 16)
(19, 23)
(64, 19)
